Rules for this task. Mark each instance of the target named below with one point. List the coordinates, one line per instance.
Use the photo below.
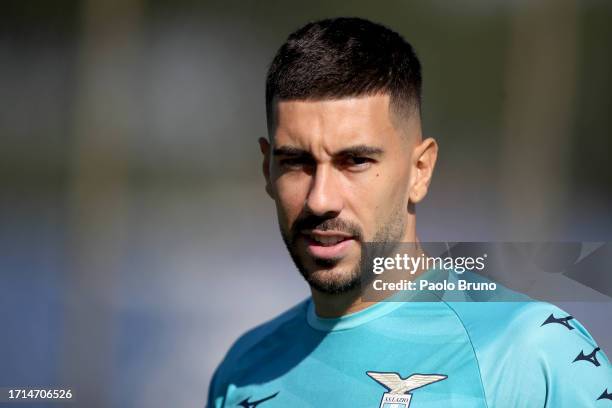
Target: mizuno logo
(605, 395)
(563, 321)
(400, 389)
(246, 404)
(591, 357)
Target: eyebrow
(288, 151)
(358, 150)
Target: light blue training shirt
(417, 354)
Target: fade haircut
(341, 58)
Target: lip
(335, 251)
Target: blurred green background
(136, 240)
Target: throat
(334, 306)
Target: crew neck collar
(374, 311)
(350, 320)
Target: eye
(358, 162)
(295, 162)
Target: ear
(424, 160)
(264, 147)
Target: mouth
(327, 244)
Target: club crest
(399, 390)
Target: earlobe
(269, 190)
(417, 194)
(425, 155)
(415, 197)
(264, 147)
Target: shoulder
(268, 329)
(502, 313)
(509, 318)
(535, 347)
(523, 325)
(260, 334)
(258, 341)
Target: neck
(331, 306)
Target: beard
(323, 277)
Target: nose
(325, 196)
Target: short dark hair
(344, 57)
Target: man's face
(340, 173)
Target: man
(346, 163)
